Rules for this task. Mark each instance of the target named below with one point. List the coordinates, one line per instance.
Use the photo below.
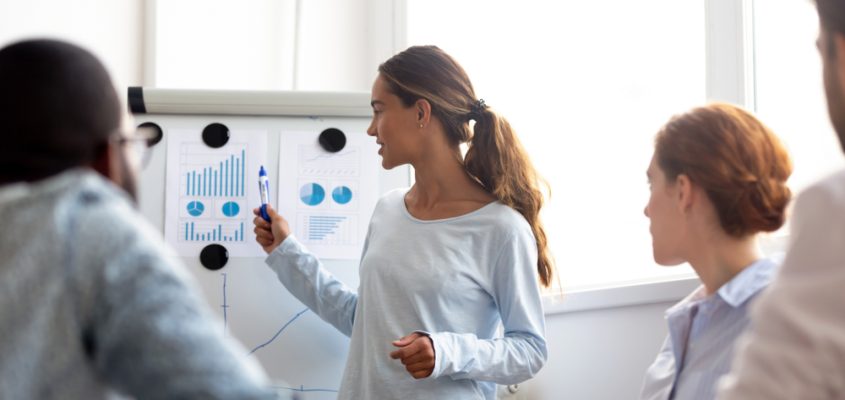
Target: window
(223, 45)
(586, 85)
(789, 91)
(260, 45)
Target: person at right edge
(446, 262)
(795, 347)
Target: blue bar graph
(234, 233)
(321, 226)
(223, 178)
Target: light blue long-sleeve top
(702, 333)
(459, 279)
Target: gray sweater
(94, 305)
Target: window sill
(620, 296)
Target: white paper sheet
(328, 198)
(210, 193)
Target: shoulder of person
(392, 199)
(393, 195)
(507, 221)
(826, 196)
(103, 218)
(94, 199)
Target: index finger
(400, 353)
(261, 223)
(407, 351)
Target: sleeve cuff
(289, 245)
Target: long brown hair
(495, 156)
(740, 163)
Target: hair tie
(476, 110)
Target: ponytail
(497, 159)
(495, 156)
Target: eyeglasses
(139, 143)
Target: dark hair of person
(57, 108)
(495, 156)
(832, 14)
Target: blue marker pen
(264, 189)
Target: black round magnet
(332, 140)
(214, 257)
(215, 135)
(153, 127)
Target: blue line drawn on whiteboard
(222, 178)
(195, 208)
(342, 195)
(321, 226)
(279, 332)
(231, 209)
(304, 389)
(312, 194)
(225, 305)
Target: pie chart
(231, 209)
(342, 195)
(195, 208)
(312, 194)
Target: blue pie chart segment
(195, 208)
(342, 195)
(231, 209)
(312, 194)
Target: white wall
(112, 30)
(598, 354)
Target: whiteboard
(302, 354)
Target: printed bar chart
(220, 232)
(320, 226)
(211, 191)
(226, 177)
(327, 228)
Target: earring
(421, 125)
